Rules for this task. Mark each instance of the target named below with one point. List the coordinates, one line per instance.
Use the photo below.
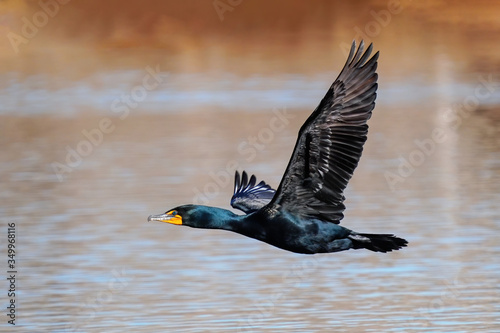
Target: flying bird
(304, 213)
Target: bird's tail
(377, 242)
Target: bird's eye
(174, 212)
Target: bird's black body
(287, 231)
(303, 214)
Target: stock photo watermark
(380, 20)
(222, 6)
(93, 138)
(291, 280)
(11, 273)
(453, 118)
(31, 26)
(453, 290)
(248, 149)
(97, 303)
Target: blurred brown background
(248, 37)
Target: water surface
(89, 262)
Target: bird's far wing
(249, 197)
(330, 143)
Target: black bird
(303, 214)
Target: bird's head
(193, 216)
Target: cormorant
(303, 214)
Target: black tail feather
(377, 242)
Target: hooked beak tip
(167, 218)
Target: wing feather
(249, 196)
(330, 143)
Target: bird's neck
(224, 219)
(216, 218)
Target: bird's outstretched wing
(249, 197)
(330, 143)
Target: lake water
(82, 169)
